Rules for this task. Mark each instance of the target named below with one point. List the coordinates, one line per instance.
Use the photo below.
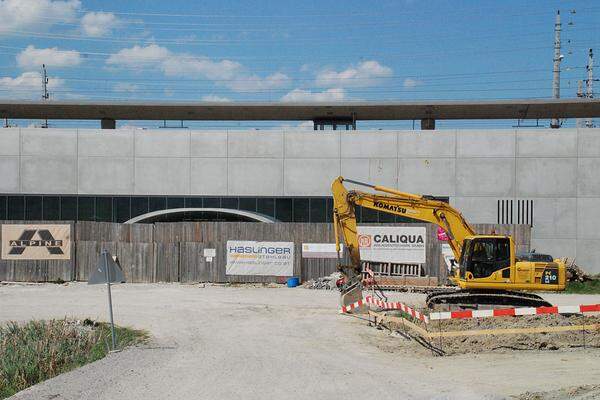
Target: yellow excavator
(488, 270)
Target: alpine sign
(36, 242)
(392, 244)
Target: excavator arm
(394, 202)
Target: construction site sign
(260, 258)
(36, 242)
(392, 244)
(321, 250)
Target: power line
(479, 11)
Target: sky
(285, 50)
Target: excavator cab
(483, 256)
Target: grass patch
(587, 287)
(38, 350)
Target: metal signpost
(108, 271)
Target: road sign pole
(110, 308)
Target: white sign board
(448, 255)
(321, 250)
(210, 252)
(393, 244)
(260, 258)
(36, 242)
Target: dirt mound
(586, 392)
(483, 343)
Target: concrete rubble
(324, 282)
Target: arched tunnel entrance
(200, 214)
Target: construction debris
(324, 282)
(576, 273)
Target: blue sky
(292, 51)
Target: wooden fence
(173, 252)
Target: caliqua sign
(36, 242)
(392, 244)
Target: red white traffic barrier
(397, 306)
(352, 306)
(386, 305)
(500, 312)
(503, 312)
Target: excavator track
(473, 298)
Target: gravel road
(272, 343)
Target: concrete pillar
(108, 123)
(428, 124)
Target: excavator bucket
(351, 296)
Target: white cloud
(126, 87)
(187, 65)
(215, 99)
(300, 95)
(411, 83)
(35, 15)
(138, 56)
(367, 73)
(32, 57)
(254, 82)
(98, 24)
(228, 73)
(27, 85)
(306, 125)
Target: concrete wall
(558, 169)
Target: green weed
(587, 287)
(38, 350)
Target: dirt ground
(218, 342)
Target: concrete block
(557, 248)
(162, 176)
(310, 177)
(588, 255)
(208, 176)
(477, 210)
(9, 142)
(49, 142)
(485, 177)
(379, 171)
(589, 142)
(162, 143)
(44, 174)
(547, 143)
(435, 176)
(105, 175)
(252, 144)
(255, 176)
(588, 218)
(588, 177)
(539, 177)
(373, 144)
(427, 143)
(9, 174)
(488, 143)
(105, 143)
(554, 218)
(312, 144)
(209, 144)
